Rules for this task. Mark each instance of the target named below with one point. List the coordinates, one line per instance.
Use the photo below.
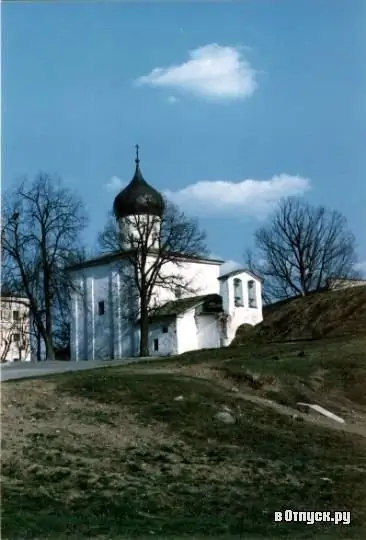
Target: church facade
(103, 324)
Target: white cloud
(255, 198)
(114, 184)
(212, 71)
(172, 99)
(229, 266)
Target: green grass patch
(193, 477)
(330, 372)
(323, 371)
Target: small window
(178, 292)
(224, 329)
(156, 344)
(101, 308)
(5, 315)
(165, 329)
(252, 294)
(238, 292)
(16, 337)
(15, 315)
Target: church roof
(138, 197)
(240, 271)
(211, 303)
(112, 257)
(7, 293)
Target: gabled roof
(15, 299)
(240, 271)
(178, 307)
(119, 255)
(101, 260)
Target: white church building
(179, 321)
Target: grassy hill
(325, 314)
(139, 451)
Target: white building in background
(14, 330)
(101, 325)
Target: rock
(320, 410)
(234, 389)
(225, 417)
(226, 409)
(302, 407)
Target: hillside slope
(134, 451)
(112, 454)
(326, 314)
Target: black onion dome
(138, 198)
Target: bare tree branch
(153, 249)
(301, 248)
(42, 223)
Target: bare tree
(301, 248)
(150, 244)
(42, 222)
(63, 301)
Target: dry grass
(112, 454)
(330, 372)
(326, 314)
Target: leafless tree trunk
(301, 248)
(149, 254)
(38, 341)
(41, 226)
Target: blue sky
(234, 105)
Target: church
(204, 315)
